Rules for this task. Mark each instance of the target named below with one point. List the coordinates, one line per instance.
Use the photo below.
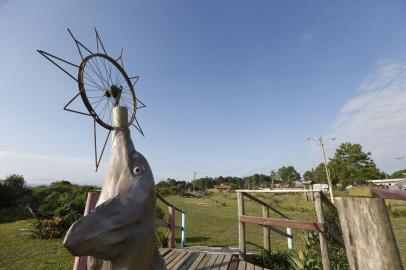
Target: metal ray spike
(49, 57)
(138, 127)
(98, 40)
(98, 158)
(70, 110)
(136, 79)
(121, 54)
(79, 44)
(142, 104)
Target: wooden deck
(183, 259)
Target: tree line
(350, 165)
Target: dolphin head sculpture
(120, 230)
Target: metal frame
(101, 52)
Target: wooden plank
(258, 267)
(325, 255)
(164, 251)
(266, 232)
(368, 235)
(203, 263)
(241, 225)
(211, 261)
(242, 265)
(294, 224)
(225, 262)
(390, 194)
(198, 260)
(250, 266)
(182, 260)
(181, 255)
(189, 261)
(171, 256)
(277, 190)
(168, 253)
(219, 260)
(233, 263)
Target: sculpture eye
(137, 171)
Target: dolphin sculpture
(120, 232)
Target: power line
(369, 101)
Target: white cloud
(376, 117)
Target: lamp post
(320, 142)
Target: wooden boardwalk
(183, 259)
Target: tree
(351, 166)
(319, 174)
(308, 175)
(399, 174)
(274, 177)
(13, 191)
(288, 174)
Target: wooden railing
(171, 223)
(270, 224)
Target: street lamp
(319, 141)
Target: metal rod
(44, 54)
(70, 110)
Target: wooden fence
(271, 224)
(369, 239)
(171, 223)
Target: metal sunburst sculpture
(103, 84)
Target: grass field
(211, 221)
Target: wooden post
(241, 225)
(368, 235)
(92, 197)
(267, 235)
(183, 239)
(323, 242)
(171, 225)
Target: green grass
(18, 252)
(211, 221)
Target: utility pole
(327, 170)
(330, 186)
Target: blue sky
(232, 87)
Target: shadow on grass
(195, 239)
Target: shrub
(271, 260)
(161, 237)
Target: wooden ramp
(183, 259)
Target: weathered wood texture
(286, 223)
(171, 223)
(368, 235)
(183, 259)
(325, 255)
(241, 225)
(267, 234)
(92, 197)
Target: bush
(271, 260)
(56, 207)
(161, 237)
